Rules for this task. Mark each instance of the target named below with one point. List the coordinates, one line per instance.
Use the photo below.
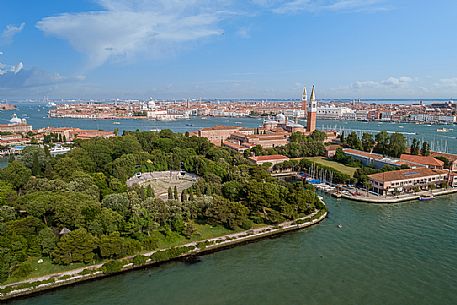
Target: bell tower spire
(312, 112)
(304, 101)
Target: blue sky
(228, 48)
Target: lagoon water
(395, 254)
(383, 254)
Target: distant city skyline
(378, 49)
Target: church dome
(281, 118)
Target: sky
(173, 49)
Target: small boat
(426, 198)
(189, 125)
(116, 123)
(442, 130)
(339, 226)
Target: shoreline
(197, 248)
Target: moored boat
(426, 197)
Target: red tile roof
(363, 153)
(406, 174)
(426, 160)
(450, 157)
(220, 127)
(332, 147)
(269, 158)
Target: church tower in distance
(304, 101)
(312, 112)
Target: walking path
(76, 275)
(397, 199)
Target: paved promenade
(396, 199)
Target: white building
(333, 113)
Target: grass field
(338, 166)
(45, 268)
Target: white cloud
(17, 68)
(447, 83)
(10, 31)
(296, 6)
(391, 82)
(125, 28)
(16, 77)
(4, 68)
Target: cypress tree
(170, 193)
(175, 193)
(36, 169)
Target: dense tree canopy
(77, 207)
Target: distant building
(330, 150)
(273, 159)
(91, 134)
(371, 159)
(217, 134)
(335, 113)
(70, 133)
(270, 140)
(7, 107)
(408, 180)
(16, 125)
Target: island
(96, 211)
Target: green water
(395, 254)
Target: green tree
(318, 135)
(76, 246)
(36, 168)
(397, 145)
(353, 141)
(47, 240)
(7, 213)
(425, 149)
(367, 141)
(175, 193)
(115, 246)
(17, 174)
(183, 195)
(117, 202)
(170, 193)
(382, 142)
(415, 147)
(7, 193)
(342, 138)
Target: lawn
(338, 166)
(44, 268)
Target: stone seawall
(72, 277)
